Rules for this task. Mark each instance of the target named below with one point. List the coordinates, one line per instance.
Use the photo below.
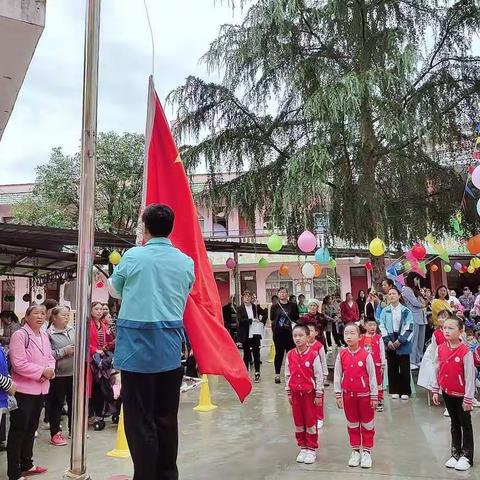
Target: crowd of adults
(40, 350)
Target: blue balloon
(391, 270)
(322, 256)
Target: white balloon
(308, 270)
(356, 260)
(476, 176)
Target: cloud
(48, 109)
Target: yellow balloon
(377, 247)
(470, 269)
(475, 262)
(114, 258)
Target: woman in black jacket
(251, 322)
(282, 315)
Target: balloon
(464, 269)
(283, 270)
(470, 269)
(322, 256)
(399, 267)
(434, 268)
(114, 258)
(422, 266)
(377, 247)
(473, 245)
(478, 207)
(407, 265)
(391, 271)
(475, 262)
(356, 260)
(368, 266)
(307, 242)
(318, 270)
(419, 251)
(476, 176)
(447, 268)
(274, 242)
(263, 262)
(100, 284)
(333, 263)
(457, 266)
(308, 270)
(230, 263)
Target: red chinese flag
(166, 182)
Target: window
(201, 221)
(326, 284)
(220, 223)
(8, 292)
(248, 281)
(274, 281)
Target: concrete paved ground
(255, 441)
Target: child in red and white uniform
(304, 385)
(320, 349)
(455, 377)
(438, 337)
(356, 389)
(373, 343)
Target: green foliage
(55, 198)
(356, 107)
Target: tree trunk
(378, 272)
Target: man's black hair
(158, 220)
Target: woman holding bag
(250, 331)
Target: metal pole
(86, 231)
(236, 279)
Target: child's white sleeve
(323, 361)
(318, 373)
(383, 358)
(287, 374)
(435, 387)
(372, 377)
(337, 377)
(470, 373)
(5, 382)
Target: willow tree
(360, 109)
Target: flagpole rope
(147, 14)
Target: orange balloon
(318, 270)
(283, 270)
(434, 268)
(473, 245)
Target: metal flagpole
(86, 231)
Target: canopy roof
(43, 251)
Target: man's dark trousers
(150, 403)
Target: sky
(48, 108)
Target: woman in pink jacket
(33, 366)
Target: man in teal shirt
(153, 282)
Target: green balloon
(274, 243)
(447, 268)
(263, 262)
(407, 266)
(333, 263)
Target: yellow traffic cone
(205, 402)
(271, 355)
(121, 449)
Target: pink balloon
(476, 176)
(230, 263)
(307, 242)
